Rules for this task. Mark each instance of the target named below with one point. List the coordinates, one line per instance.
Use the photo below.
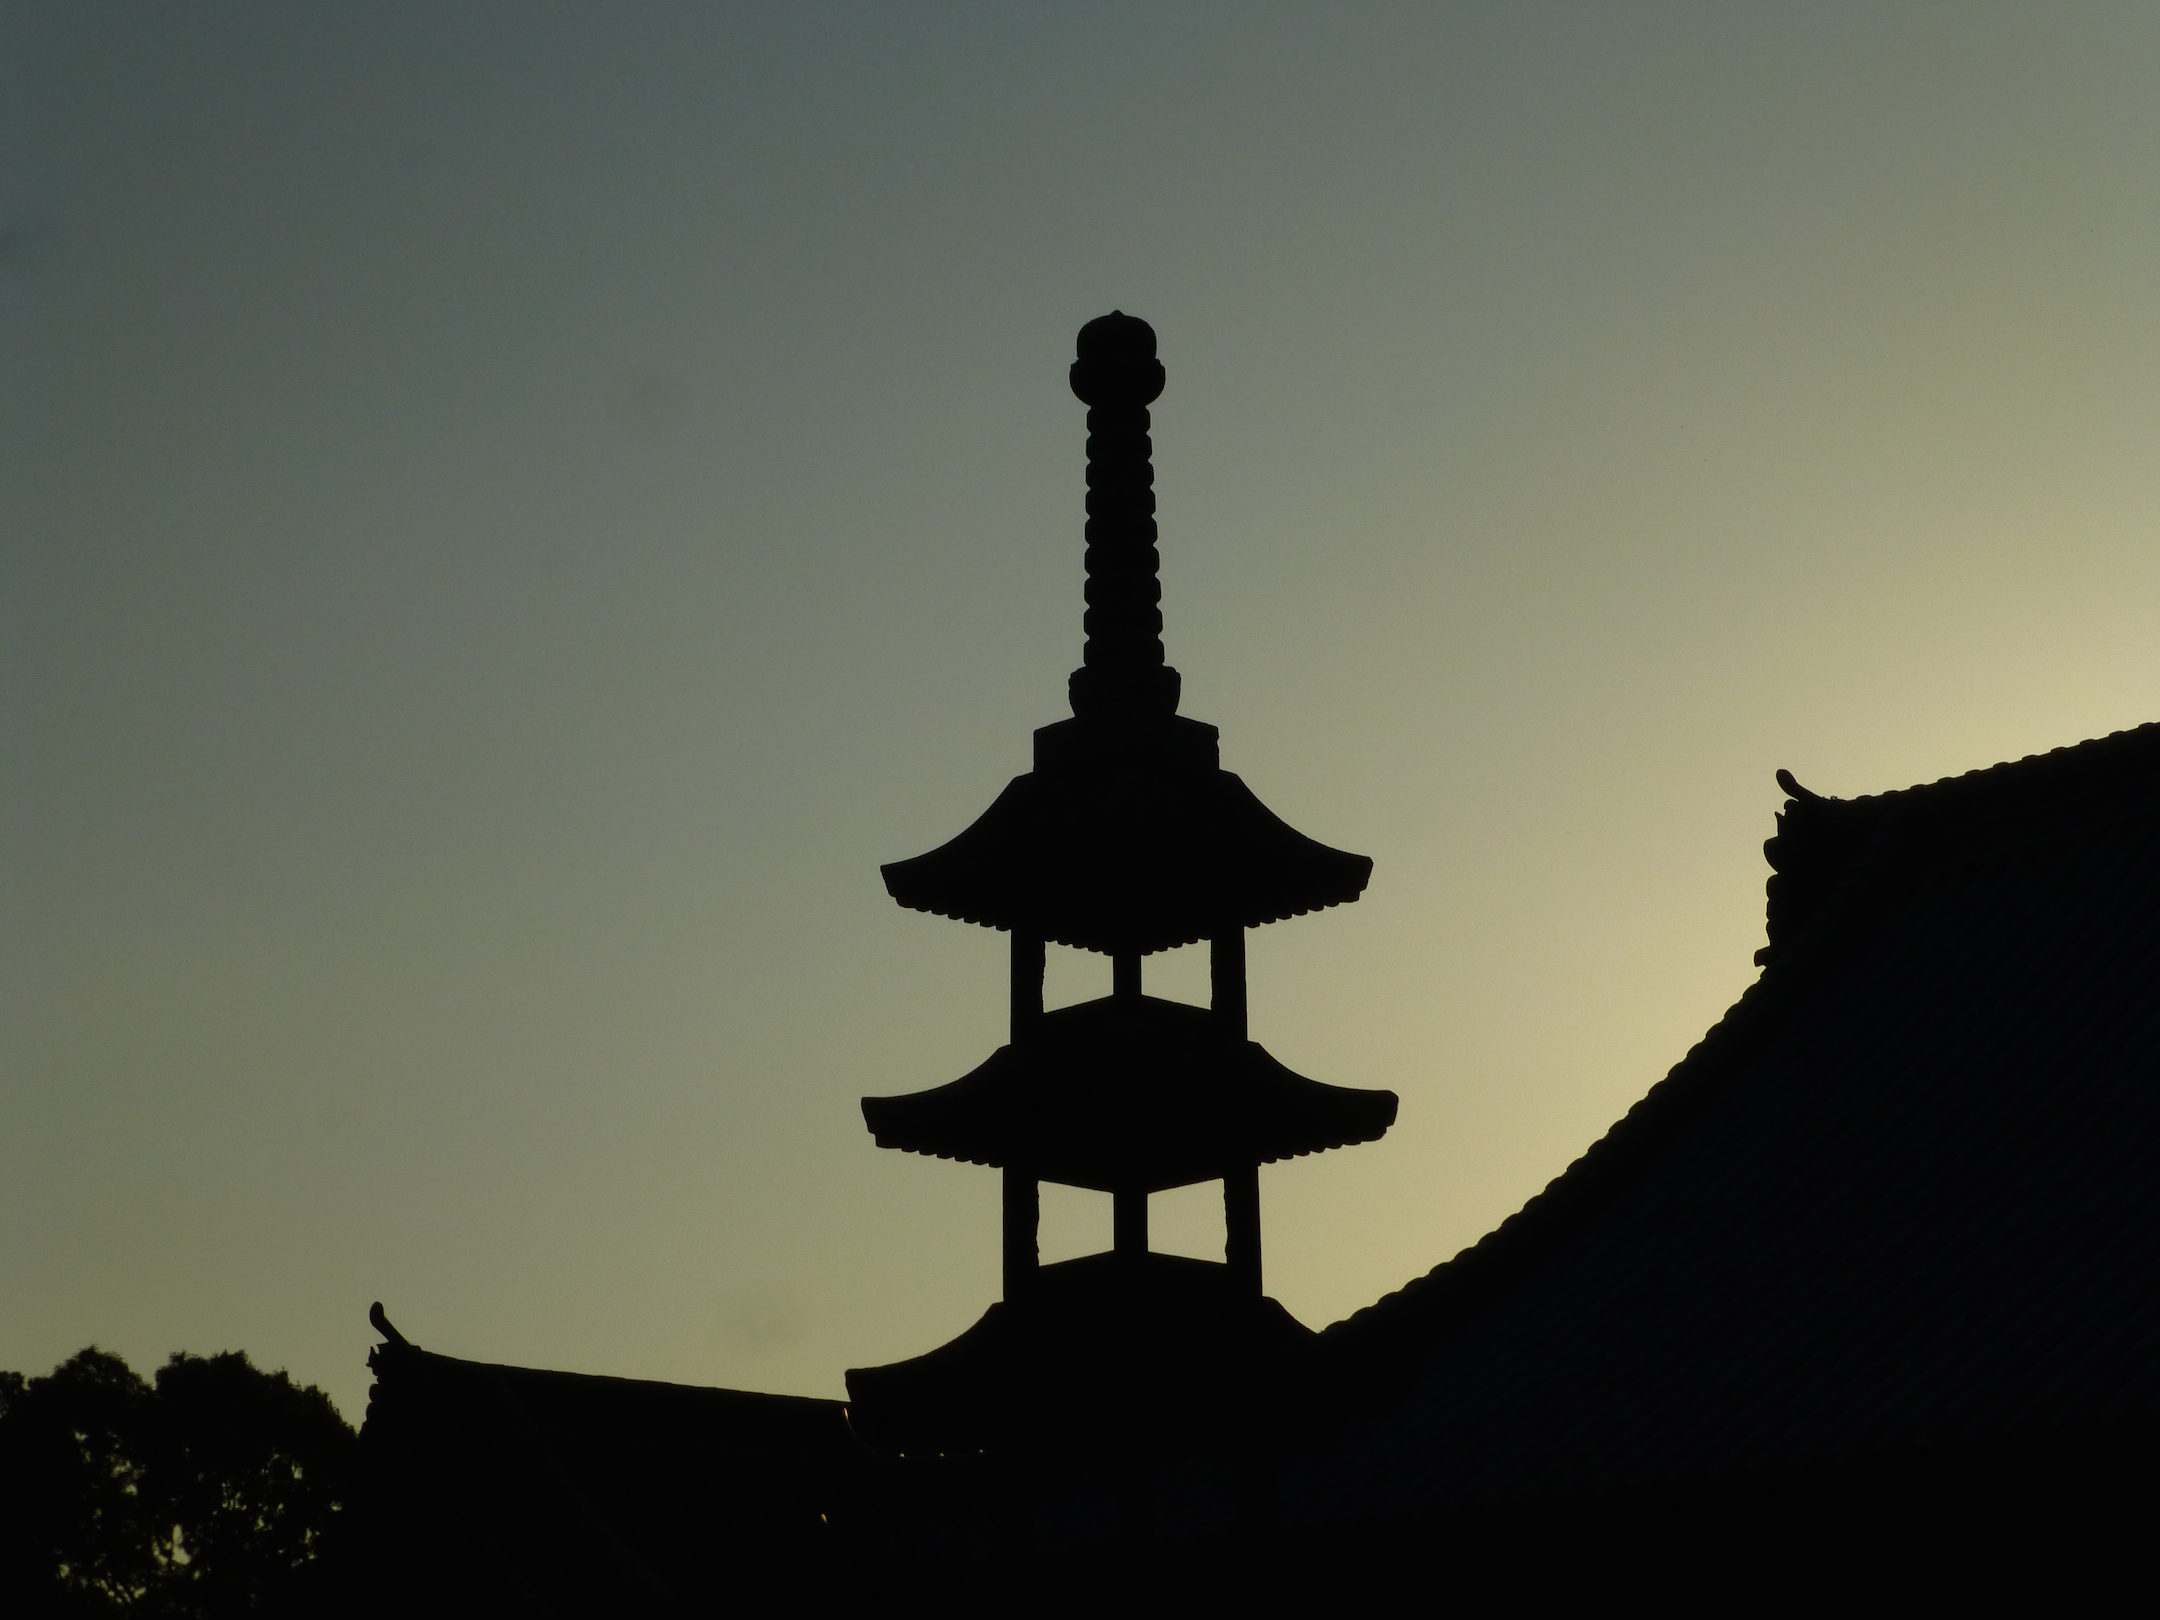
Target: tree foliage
(208, 1492)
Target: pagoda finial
(1122, 671)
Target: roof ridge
(393, 1358)
(2087, 750)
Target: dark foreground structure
(1863, 1298)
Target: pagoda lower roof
(1129, 1092)
(1127, 836)
(1103, 1347)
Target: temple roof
(1904, 1198)
(1129, 1092)
(506, 1489)
(1127, 837)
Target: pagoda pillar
(1128, 1221)
(1027, 985)
(1125, 973)
(1241, 1226)
(1241, 1186)
(1023, 1190)
(1023, 1222)
(1226, 972)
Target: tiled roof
(1905, 1196)
(506, 1489)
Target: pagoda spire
(1122, 670)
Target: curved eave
(1105, 1182)
(1143, 862)
(1087, 1117)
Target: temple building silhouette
(1865, 1294)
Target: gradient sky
(512, 512)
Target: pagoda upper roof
(1127, 836)
(1129, 1092)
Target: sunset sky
(512, 512)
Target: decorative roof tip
(381, 1324)
(1793, 789)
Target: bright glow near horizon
(513, 512)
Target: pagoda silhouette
(1127, 838)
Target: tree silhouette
(209, 1492)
